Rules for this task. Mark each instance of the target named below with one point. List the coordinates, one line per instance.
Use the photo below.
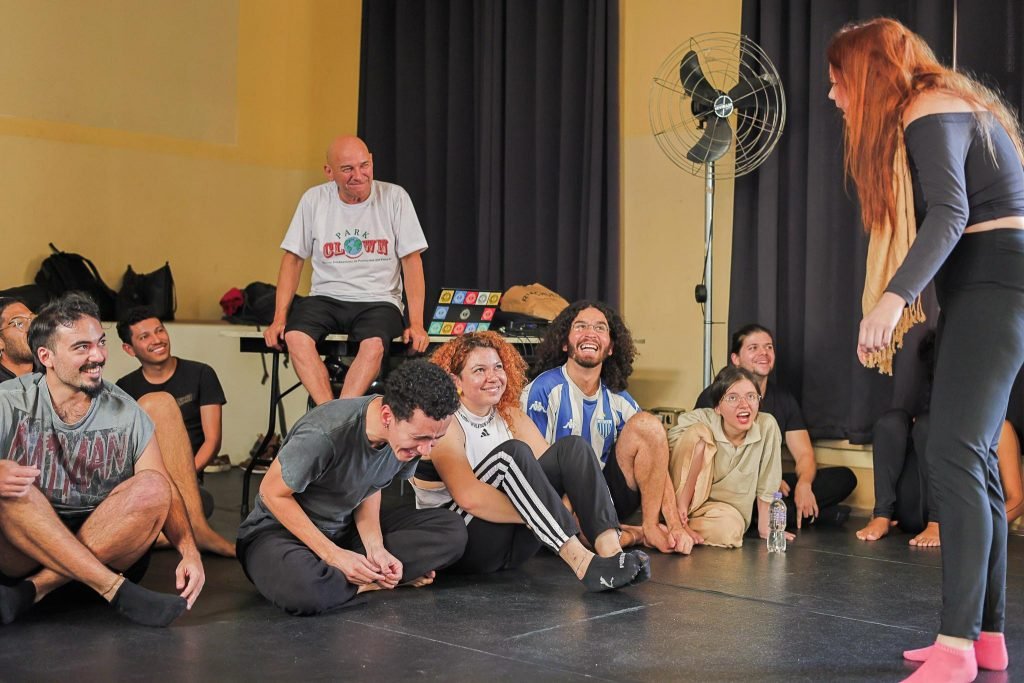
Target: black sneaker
(833, 515)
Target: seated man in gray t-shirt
(83, 487)
(316, 537)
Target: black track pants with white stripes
(535, 489)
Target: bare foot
(421, 581)
(929, 538)
(657, 536)
(877, 528)
(367, 587)
(209, 541)
(697, 538)
(631, 535)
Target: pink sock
(946, 665)
(989, 649)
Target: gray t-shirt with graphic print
(331, 466)
(80, 464)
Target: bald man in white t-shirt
(364, 241)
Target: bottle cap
(778, 495)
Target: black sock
(645, 567)
(16, 600)
(609, 573)
(147, 607)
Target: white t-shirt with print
(356, 249)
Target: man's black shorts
(625, 499)
(319, 316)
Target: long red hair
(452, 356)
(882, 67)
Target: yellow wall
(663, 212)
(186, 131)
(182, 131)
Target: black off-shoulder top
(956, 183)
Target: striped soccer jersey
(559, 408)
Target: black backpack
(153, 290)
(63, 272)
(258, 302)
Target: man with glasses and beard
(585, 360)
(15, 357)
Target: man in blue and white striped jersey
(585, 359)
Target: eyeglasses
(600, 328)
(20, 321)
(733, 399)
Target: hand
(274, 335)
(784, 488)
(417, 336)
(190, 577)
(358, 569)
(684, 541)
(877, 326)
(15, 479)
(695, 539)
(806, 503)
(387, 564)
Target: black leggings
(901, 477)
(535, 488)
(980, 347)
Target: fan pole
(709, 222)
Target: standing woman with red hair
(936, 159)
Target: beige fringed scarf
(886, 250)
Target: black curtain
(990, 47)
(500, 118)
(798, 245)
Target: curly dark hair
(134, 316)
(420, 384)
(616, 369)
(728, 376)
(452, 357)
(64, 311)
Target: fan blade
(751, 94)
(691, 77)
(714, 143)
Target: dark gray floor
(831, 609)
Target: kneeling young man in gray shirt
(316, 537)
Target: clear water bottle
(777, 525)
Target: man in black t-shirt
(184, 400)
(810, 492)
(193, 385)
(15, 355)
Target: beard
(592, 362)
(17, 353)
(93, 390)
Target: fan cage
(727, 60)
